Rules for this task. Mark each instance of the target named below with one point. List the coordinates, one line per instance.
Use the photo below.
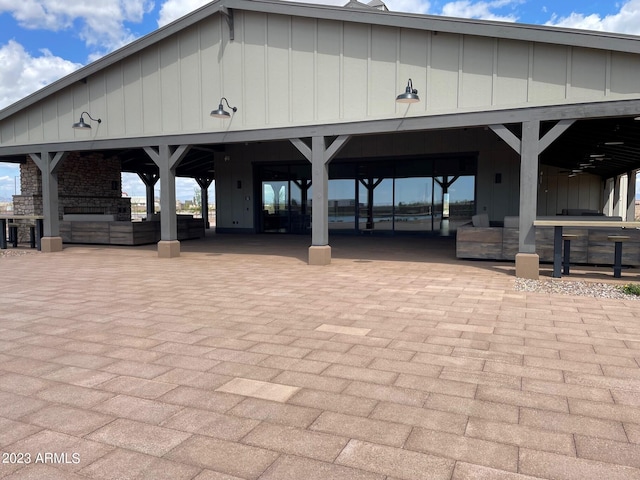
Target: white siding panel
(382, 76)
(356, 55)
(133, 96)
(625, 72)
(233, 85)
(97, 105)
(255, 82)
(170, 85)
(477, 71)
(414, 52)
(67, 116)
(191, 104)
(22, 127)
(211, 77)
(445, 64)
(50, 118)
(303, 34)
(151, 96)
(512, 73)
(588, 73)
(549, 79)
(328, 68)
(278, 72)
(115, 97)
(35, 124)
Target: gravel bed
(584, 289)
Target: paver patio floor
(237, 360)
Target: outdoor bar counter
(101, 229)
(594, 242)
(591, 244)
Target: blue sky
(43, 40)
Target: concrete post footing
(51, 244)
(528, 266)
(319, 255)
(168, 248)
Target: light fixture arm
(234, 109)
(410, 88)
(89, 115)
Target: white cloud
(482, 10)
(627, 20)
(21, 74)
(8, 183)
(174, 9)
(409, 6)
(100, 24)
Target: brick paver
(238, 361)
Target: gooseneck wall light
(221, 112)
(82, 125)
(409, 96)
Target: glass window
(413, 211)
(342, 204)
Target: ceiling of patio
(605, 147)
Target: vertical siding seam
(105, 100)
(494, 75)
(141, 96)
(179, 79)
(315, 70)
(290, 71)
(567, 92)
(159, 92)
(428, 72)
(398, 65)
(243, 76)
(122, 100)
(341, 74)
(530, 73)
(459, 100)
(369, 67)
(267, 120)
(199, 80)
(607, 74)
(221, 62)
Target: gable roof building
(315, 89)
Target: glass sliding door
(413, 206)
(375, 204)
(393, 195)
(275, 205)
(285, 198)
(342, 204)
(461, 201)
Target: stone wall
(87, 183)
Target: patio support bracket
(167, 158)
(529, 149)
(319, 154)
(49, 165)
